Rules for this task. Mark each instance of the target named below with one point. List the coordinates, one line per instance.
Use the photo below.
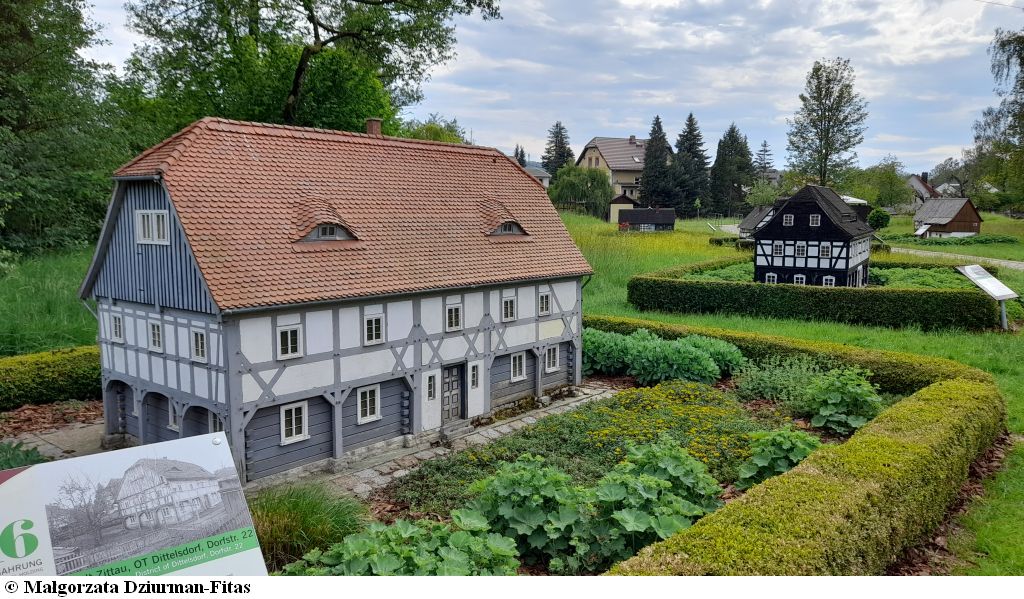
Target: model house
(620, 202)
(537, 172)
(621, 157)
(317, 293)
(647, 220)
(754, 220)
(947, 217)
(813, 238)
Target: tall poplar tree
(732, 171)
(691, 168)
(557, 152)
(829, 123)
(657, 184)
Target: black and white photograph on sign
(100, 517)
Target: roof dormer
(329, 231)
(509, 227)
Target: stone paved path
(973, 259)
(66, 442)
(366, 476)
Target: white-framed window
(787, 220)
(151, 227)
(474, 376)
(828, 281)
(432, 386)
(373, 329)
(453, 317)
(117, 328)
(778, 248)
(215, 424)
(551, 359)
(156, 336)
(507, 228)
(294, 422)
(198, 345)
(801, 250)
(289, 342)
(508, 309)
(815, 220)
(172, 415)
(369, 404)
(825, 250)
(799, 279)
(328, 231)
(544, 304)
(771, 278)
(518, 367)
(646, 228)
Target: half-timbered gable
(359, 290)
(813, 238)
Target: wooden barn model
(947, 217)
(813, 238)
(316, 293)
(647, 220)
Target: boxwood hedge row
(670, 291)
(50, 376)
(851, 508)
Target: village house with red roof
(320, 294)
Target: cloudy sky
(606, 67)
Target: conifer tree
(763, 161)
(691, 168)
(732, 171)
(519, 154)
(657, 184)
(557, 152)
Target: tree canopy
(731, 172)
(577, 187)
(434, 128)
(557, 152)
(691, 168)
(657, 183)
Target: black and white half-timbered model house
(813, 238)
(319, 294)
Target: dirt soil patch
(46, 417)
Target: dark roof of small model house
(621, 153)
(941, 211)
(536, 171)
(842, 215)
(754, 217)
(624, 199)
(421, 213)
(648, 216)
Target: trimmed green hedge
(851, 508)
(670, 291)
(51, 376)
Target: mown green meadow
(993, 224)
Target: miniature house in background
(647, 220)
(953, 217)
(315, 293)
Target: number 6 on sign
(15, 543)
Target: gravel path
(978, 259)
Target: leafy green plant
(651, 359)
(668, 461)
(605, 353)
(726, 356)
(293, 520)
(419, 548)
(778, 379)
(654, 361)
(878, 219)
(775, 452)
(16, 455)
(843, 400)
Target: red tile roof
(245, 192)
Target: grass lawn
(992, 522)
(993, 224)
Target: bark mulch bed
(46, 417)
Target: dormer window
(329, 232)
(509, 228)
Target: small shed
(947, 217)
(755, 219)
(622, 202)
(647, 219)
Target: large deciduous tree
(829, 124)
(435, 128)
(657, 183)
(557, 152)
(691, 168)
(588, 188)
(732, 171)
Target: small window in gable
(509, 228)
(815, 220)
(787, 220)
(329, 232)
(151, 227)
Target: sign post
(992, 286)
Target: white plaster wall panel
(495, 308)
(105, 356)
(373, 309)
(508, 292)
(216, 351)
(256, 339)
(426, 354)
(119, 359)
(573, 325)
(565, 291)
(185, 376)
(319, 332)
(399, 320)
(430, 409)
(473, 309)
(302, 377)
(453, 348)
(520, 334)
(409, 359)
(761, 261)
(431, 317)
(104, 324)
(475, 397)
(265, 376)
(286, 319)
(551, 329)
(250, 388)
(494, 340)
(130, 360)
(141, 332)
(170, 333)
(348, 328)
(184, 343)
(526, 305)
(202, 382)
(366, 365)
(157, 368)
(172, 375)
(480, 344)
(222, 395)
(144, 366)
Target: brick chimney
(632, 140)
(373, 127)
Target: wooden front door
(451, 394)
